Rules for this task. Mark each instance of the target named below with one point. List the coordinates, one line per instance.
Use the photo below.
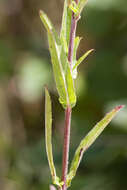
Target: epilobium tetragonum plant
(63, 50)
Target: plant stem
(68, 109)
(72, 38)
(66, 145)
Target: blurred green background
(25, 68)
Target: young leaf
(48, 138)
(82, 59)
(81, 5)
(58, 73)
(63, 58)
(56, 62)
(88, 140)
(48, 134)
(68, 78)
(61, 69)
(76, 44)
(74, 7)
(49, 26)
(66, 22)
(64, 45)
(70, 87)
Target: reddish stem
(68, 109)
(66, 145)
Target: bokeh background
(25, 68)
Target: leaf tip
(46, 89)
(119, 107)
(91, 50)
(40, 12)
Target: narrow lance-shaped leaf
(58, 73)
(49, 26)
(88, 140)
(61, 69)
(74, 7)
(66, 22)
(56, 62)
(70, 87)
(68, 78)
(82, 59)
(76, 44)
(48, 139)
(64, 60)
(81, 5)
(48, 133)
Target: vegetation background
(25, 67)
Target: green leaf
(74, 7)
(81, 5)
(49, 26)
(61, 67)
(76, 44)
(48, 134)
(48, 138)
(63, 58)
(56, 62)
(58, 182)
(82, 59)
(88, 141)
(64, 44)
(68, 79)
(66, 22)
(70, 87)
(58, 72)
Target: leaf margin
(84, 145)
(48, 133)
